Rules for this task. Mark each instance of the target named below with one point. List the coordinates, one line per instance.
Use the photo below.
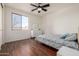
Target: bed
(57, 41)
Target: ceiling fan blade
(34, 5)
(44, 9)
(34, 9)
(47, 5)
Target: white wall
(0, 26)
(3, 16)
(63, 20)
(13, 35)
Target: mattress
(56, 39)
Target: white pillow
(63, 36)
(71, 37)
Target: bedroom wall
(13, 35)
(0, 26)
(63, 20)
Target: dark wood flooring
(27, 47)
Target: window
(19, 22)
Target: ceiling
(27, 7)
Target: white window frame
(21, 22)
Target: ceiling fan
(40, 7)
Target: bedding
(71, 37)
(63, 36)
(50, 36)
(64, 42)
(57, 41)
(71, 44)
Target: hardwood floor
(27, 47)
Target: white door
(0, 26)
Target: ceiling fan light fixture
(39, 9)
